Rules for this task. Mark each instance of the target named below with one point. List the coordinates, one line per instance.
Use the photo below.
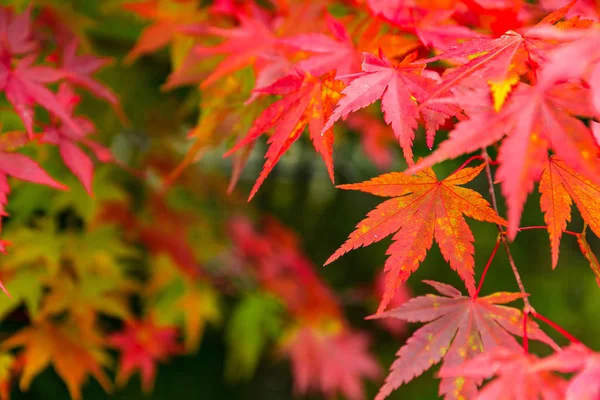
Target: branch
(511, 261)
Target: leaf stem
(487, 266)
(529, 228)
(511, 261)
(555, 326)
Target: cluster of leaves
(90, 275)
(520, 78)
(33, 57)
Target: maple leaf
(308, 101)
(559, 187)
(74, 353)
(178, 300)
(24, 85)
(399, 87)
(65, 138)
(585, 385)
(421, 208)
(517, 376)
(142, 344)
(85, 298)
(78, 70)
(252, 39)
(458, 329)
(499, 61)
(330, 54)
(26, 287)
(589, 255)
(330, 362)
(168, 18)
(434, 27)
(15, 33)
(260, 317)
(534, 119)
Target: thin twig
(511, 261)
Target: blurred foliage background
(299, 193)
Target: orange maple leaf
(422, 208)
(560, 186)
(73, 353)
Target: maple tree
(111, 274)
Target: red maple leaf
(400, 87)
(330, 362)
(66, 139)
(459, 328)
(78, 70)
(421, 208)
(585, 385)
(500, 61)
(517, 376)
(142, 345)
(15, 33)
(329, 54)
(308, 102)
(24, 85)
(252, 39)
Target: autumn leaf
(517, 376)
(329, 54)
(534, 119)
(308, 102)
(167, 20)
(560, 186)
(24, 85)
(178, 300)
(585, 385)
(142, 345)
(589, 255)
(400, 87)
(253, 38)
(74, 353)
(66, 139)
(458, 329)
(85, 299)
(15, 33)
(499, 61)
(421, 208)
(26, 288)
(330, 362)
